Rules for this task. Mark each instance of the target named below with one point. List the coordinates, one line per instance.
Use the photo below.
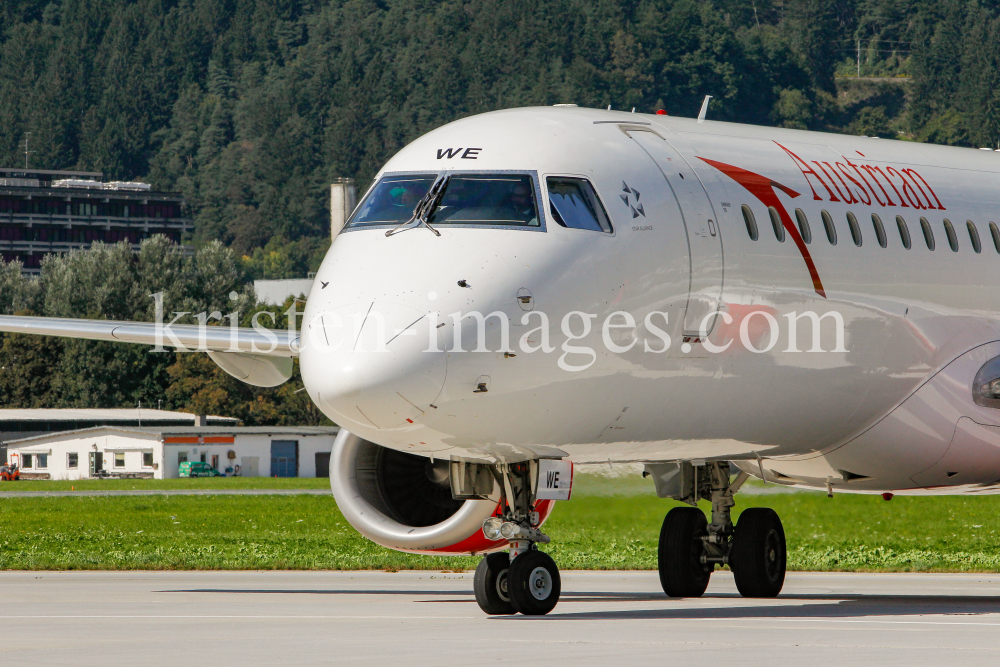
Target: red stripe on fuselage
(762, 188)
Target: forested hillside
(250, 107)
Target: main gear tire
(759, 555)
(682, 574)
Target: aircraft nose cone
(366, 364)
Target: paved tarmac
(431, 618)
(168, 492)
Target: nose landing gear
(527, 580)
(690, 547)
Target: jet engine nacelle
(404, 502)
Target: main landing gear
(690, 547)
(525, 580)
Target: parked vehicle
(197, 469)
(9, 473)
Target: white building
(275, 292)
(157, 451)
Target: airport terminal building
(44, 212)
(84, 444)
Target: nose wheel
(524, 580)
(534, 583)
(492, 585)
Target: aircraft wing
(184, 337)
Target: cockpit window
(475, 200)
(393, 200)
(575, 204)
(486, 199)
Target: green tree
(871, 122)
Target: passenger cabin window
(147, 459)
(803, 221)
(949, 230)
(904, 232)
(779, 229)
(26, 461)
(879, 230)
(928, 233)
(831, 231)
(574, 204)
(852, 222)
(751, 223)
(473, 200)
(42, 461)
(974, 236)
(72, 460)
(119, 459)
(995, 233)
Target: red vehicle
(9, 473)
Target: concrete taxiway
(167, 492)
(431, 618)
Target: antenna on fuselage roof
(704, 109)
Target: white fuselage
(891, 411)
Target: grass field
(607, 525)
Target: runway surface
(431, 618)
(168, 492)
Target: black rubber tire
(682, 573)
(759, 555)
(523, 582)
(490, 584)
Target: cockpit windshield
(392, 201)
(505, 200)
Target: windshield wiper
(424, 208)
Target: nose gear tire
(490, 584)
(759, 555)
(534, 583)
(682, 574)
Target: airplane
(528, 289)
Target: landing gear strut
(690, 547)
(526, 580)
